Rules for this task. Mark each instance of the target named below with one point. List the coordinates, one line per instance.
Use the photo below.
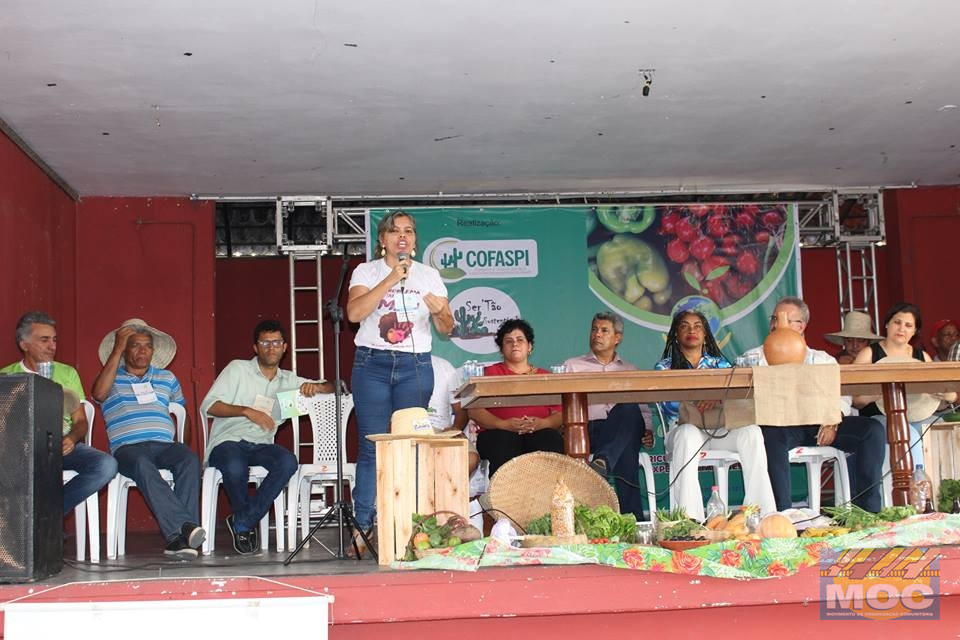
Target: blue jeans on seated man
(617, 440)
(94, 470)
(142, 461)
(382, 382)
(234, 459)
(864, 437)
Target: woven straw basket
(522, 488)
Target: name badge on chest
(144, 392)
(407, 307)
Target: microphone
(403, 256)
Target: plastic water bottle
(921, 489)
(715, 506)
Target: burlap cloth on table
(783, 396)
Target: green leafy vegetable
(681, 529)
(540, 527)
(672, 515)
(949, 490)
(896, 514)
(599, 522)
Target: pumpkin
(784, 345)
(777, 526)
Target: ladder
(339, 230)
(306, 287)
(857, 278)
(305, 293)
(859, 228)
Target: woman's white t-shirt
(401, 321)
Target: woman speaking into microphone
(394, 299)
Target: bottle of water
(715, 506)
(921, 489)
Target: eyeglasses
(773, 320)
(270, 343)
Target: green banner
(557, 266)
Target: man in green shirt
(37, 339)
(246, 415)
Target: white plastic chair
(119, 490)
(813, 458)
(646, 464)
(209, 491)
(717, 460)
(323, 469)
(87, 513)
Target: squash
(777, 526)
(717, 523)
(736, 521)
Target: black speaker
(31, 478)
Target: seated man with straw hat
(37, 339)
(855, 336)
(135, 391)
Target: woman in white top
(394, 299)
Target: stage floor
(144, 559)
(536, 601)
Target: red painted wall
(821, 292)
(148, 258)
(923, 226)
(37, 252)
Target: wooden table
(576, 391)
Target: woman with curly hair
(507, 432)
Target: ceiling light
(647, 75)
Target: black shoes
(186, 546)
(244, 542)
(600, 466)
(177, 548)
(192, 535)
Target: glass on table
(558, 368)
(646, 533)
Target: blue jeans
(618, 439)
(94, 470)
(142, 461)
(864, 437)
(234, 460)
(383, 382)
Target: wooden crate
(941, 454)
(417, 475)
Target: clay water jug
(784, 345)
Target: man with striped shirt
(135, 393)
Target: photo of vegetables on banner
(557, 266)
(648, 262)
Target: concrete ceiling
(227, 97)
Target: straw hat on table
(523, 487)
